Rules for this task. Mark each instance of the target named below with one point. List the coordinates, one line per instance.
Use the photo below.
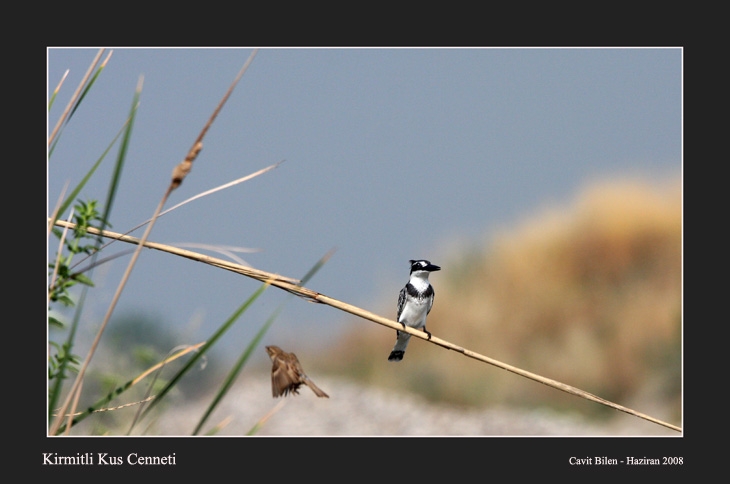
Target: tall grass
(61, 358)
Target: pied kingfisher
(414, 304)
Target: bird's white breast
(414, 313)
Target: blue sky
(390, 154)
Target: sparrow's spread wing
(284, 375)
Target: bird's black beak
(432, 268)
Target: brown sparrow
(287, 374)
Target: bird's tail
(401, 343)
(317, 391)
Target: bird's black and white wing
(401, 302)
(430, 299)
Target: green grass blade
(233, 374)
(53, 98)
(96, 406)
(122, 155)
(216, 336)
(237, 369)
(102, 402)
(315, 268)
(127, 130)
(78, 101)
(86, 90)
(57, 89)
(75, 192)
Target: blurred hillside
(589, 294)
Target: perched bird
(414, 304)
(287, 374)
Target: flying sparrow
(287, 374)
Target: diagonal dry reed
(206, 259)
(291, 286)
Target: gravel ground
(355, 410)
